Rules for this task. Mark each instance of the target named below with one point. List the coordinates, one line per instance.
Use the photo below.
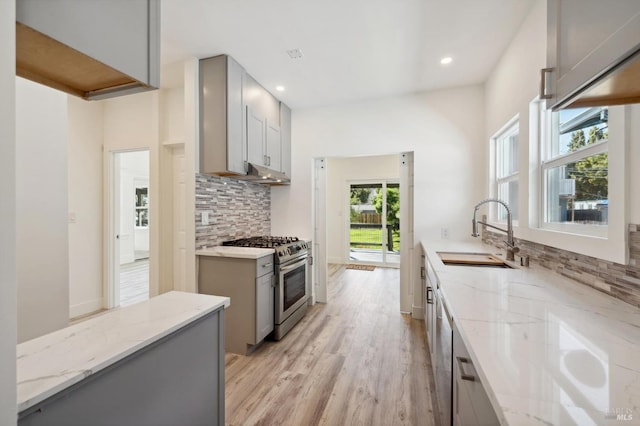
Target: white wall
(130, 123)
(172, 112)
(511, 87)
(445, 129)
(340, 172)
(85, 204)
(8, 315)
(42, 230)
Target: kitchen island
(159, 362)
(547, 350)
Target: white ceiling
(353, 49)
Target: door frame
(111, 257)
(319, 226)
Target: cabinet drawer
(264, 266)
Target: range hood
(264, 175)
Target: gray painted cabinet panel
(285, 139)
(178, 380)
(585, 38)
(222, 116)
(240, 121)
(123, 35)
(247, 282)
(273, 145)
(255, 137)
(264, 306)
(471, 405)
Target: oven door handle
(285, 269)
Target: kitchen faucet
(511, 246)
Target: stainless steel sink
(478, 260)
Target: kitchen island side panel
(176, 380)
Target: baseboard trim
(84, 308)
(417, 312)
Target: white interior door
(179, 219)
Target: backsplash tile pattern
(619, 281)
(237, 209)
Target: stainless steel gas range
(292, 260)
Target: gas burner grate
(266, 241)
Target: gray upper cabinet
(273, 145)
(93, 49)
(241, 123)
(285, 139)
(255, 137)
(587, 42)
(222, 118)
(263, 150)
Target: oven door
(291, 291)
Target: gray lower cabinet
(178, 380)
(471, 405)
(249, 283)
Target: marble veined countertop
(50, 363)
(238, 252)
(549, 350)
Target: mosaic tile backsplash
(237, 209)
(619, 281)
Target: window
(142, 207)
(506, 169)
(575, 172)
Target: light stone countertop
(237, 252)
(51, 363)
(549, 350)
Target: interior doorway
(331, 186)
(128, 263)
(374, 223)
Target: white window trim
(613, 246)
(598, 231)
(512, 126)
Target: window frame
(510, 128)
(546, 162)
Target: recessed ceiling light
(280, 88)
(446, 60)
(294, 53)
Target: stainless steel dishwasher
(444, 360)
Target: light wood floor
(353, 361)
(134, 282)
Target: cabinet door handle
(267, 265)
(422, 273)
(430, 295)
(461, 361)
(543, 83)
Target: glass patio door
(374, 223)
